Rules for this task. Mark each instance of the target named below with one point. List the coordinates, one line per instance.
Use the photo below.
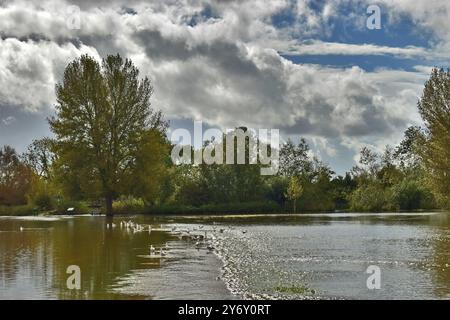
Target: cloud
(317, 47)
(222, 62)
(29, 70)
(8, 120)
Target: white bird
(21, 228)
(161, 252)
(152, 250)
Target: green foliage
(40, 157)
(370, 197)
(129, 205)
(109, 141)
(110, 144)
(294, 191)
(43, 201)
(302, 290)
(275, 189)
(21, 210)
(221, 183)
(411, 194)
(434, 107)
(392, 181)
(15, 178)
(342, 188)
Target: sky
(311, 69)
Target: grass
(22, 210)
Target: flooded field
(320, 256)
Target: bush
(371, 197)
(411, 195)
(43, 201)
(129, 206)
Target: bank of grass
(80, 207)
(23, 210)
(224, 208)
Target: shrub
(43, 201)
(411, 195)
(370, 197)
(129, 205)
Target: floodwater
(314, 256)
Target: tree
(408, 151)
(434, 107)
(15, 178)
(294, 159)
(105, 129)
(294, 191)
(40, 157)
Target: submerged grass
(303, 290)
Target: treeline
(392, 181)
(110, 145)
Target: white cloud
(29, 71)
(224, 67)
(8, 120)
(317, 47)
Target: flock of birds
(198, 235)
(201, 237)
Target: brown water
(282, 256)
